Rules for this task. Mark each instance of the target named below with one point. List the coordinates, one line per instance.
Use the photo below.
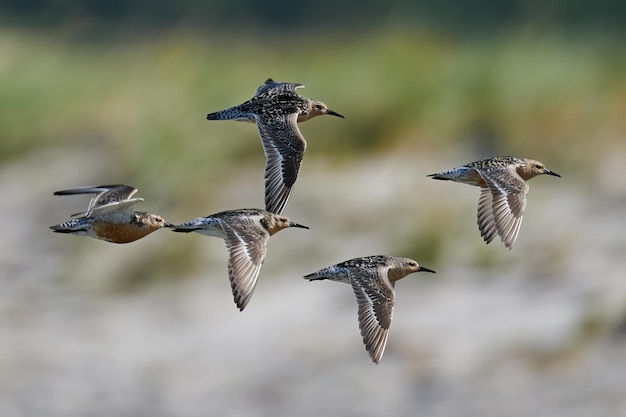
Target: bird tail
(72, 226)
(233, 113)
(182, 228)
(332, 273)
(55, 230)
(315, 276)
(439, 176)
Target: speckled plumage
(109, 215)
(246, 233)
(277, 109)
(503, 194)
(372, 279)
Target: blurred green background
(117, 91)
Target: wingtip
(375, 355)
(241, 304)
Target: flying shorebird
(372, 279)
(109, 215)
(503, 192)
(277, 109)
(246, 233)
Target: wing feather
(247, 245)
(284, 148)
(508, 201)
(375, 299)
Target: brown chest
(121, 232)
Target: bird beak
(554, 174)
(332, 113)
(292, 224)
(166, 224)
(421, 268)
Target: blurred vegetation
(137, 80)
(146, 98)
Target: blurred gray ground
(536, 331)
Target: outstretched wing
(271, 84)
(105, 195)
(247, 245)
(284, 148)
(501, 210)
(375, 298)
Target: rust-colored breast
(121, 232)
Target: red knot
(245, 233)
(372, 279)
(277, 109)
(109, 216)
(503, 192)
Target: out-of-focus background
(117, 92)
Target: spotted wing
(501, 211)
(72, 226)
(284, 148)
(271, 84)
(117, 208)
(105, 194)
(113, 195)
(375, 298)
(247, 245)
(486, 221)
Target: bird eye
(538, 166)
